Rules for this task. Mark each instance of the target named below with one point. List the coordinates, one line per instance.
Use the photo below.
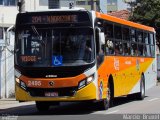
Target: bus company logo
(51, 83)
(51, 76)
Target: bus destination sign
(54, 19)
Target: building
(123, 14)
(116, 5)
(8, 11)
(99, 5)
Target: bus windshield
(49, 47)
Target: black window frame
(8, 3)
(143, 47)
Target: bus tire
(106, 103)
(111, 90)
(42, 106)
(141, 94)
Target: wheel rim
(142, 89)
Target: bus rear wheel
(42, 106)
(141, 94)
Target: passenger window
(148, 49)
(146, 38)
(133, 35)
(152, 50)
(125, 33)
(109, 47)
(118, 48)
(151, 37)
(108, 30)
(134, 50)
(126, 49)
(118, 32)
(141, 50)
(139, 36)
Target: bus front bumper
(86, 93)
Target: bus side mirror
(102, 38)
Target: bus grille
(62, 92)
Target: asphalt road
(124, 108)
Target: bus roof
(64, 9)
(124, 22)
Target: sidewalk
(8, 101)
(158, 83)
(11, 103)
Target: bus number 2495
(34, 83)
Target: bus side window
(134, 50)
(126, 41)
(99, 49)
(151, 37)
(146, 38)
(133, 35)
(108, 30)
(140, 40)
(109, 46)
(125, 32)
(126, 47)
(118, 48)
(147, 45)
(117, 32)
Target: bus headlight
(86, 81)
(90, 79)
(17, 80)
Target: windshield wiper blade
(37, 33)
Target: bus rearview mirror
(101, 38)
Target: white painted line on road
(153, 99)
(112, 112)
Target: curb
(8, 101)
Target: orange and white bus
(80, 55)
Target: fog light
(23, 85)
(81, 84)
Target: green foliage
(147, 12)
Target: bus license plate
(51, 94)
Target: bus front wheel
(42, 106)
(106, 103)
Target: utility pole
(92, 4)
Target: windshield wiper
(37, 33)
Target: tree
(147, 12)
